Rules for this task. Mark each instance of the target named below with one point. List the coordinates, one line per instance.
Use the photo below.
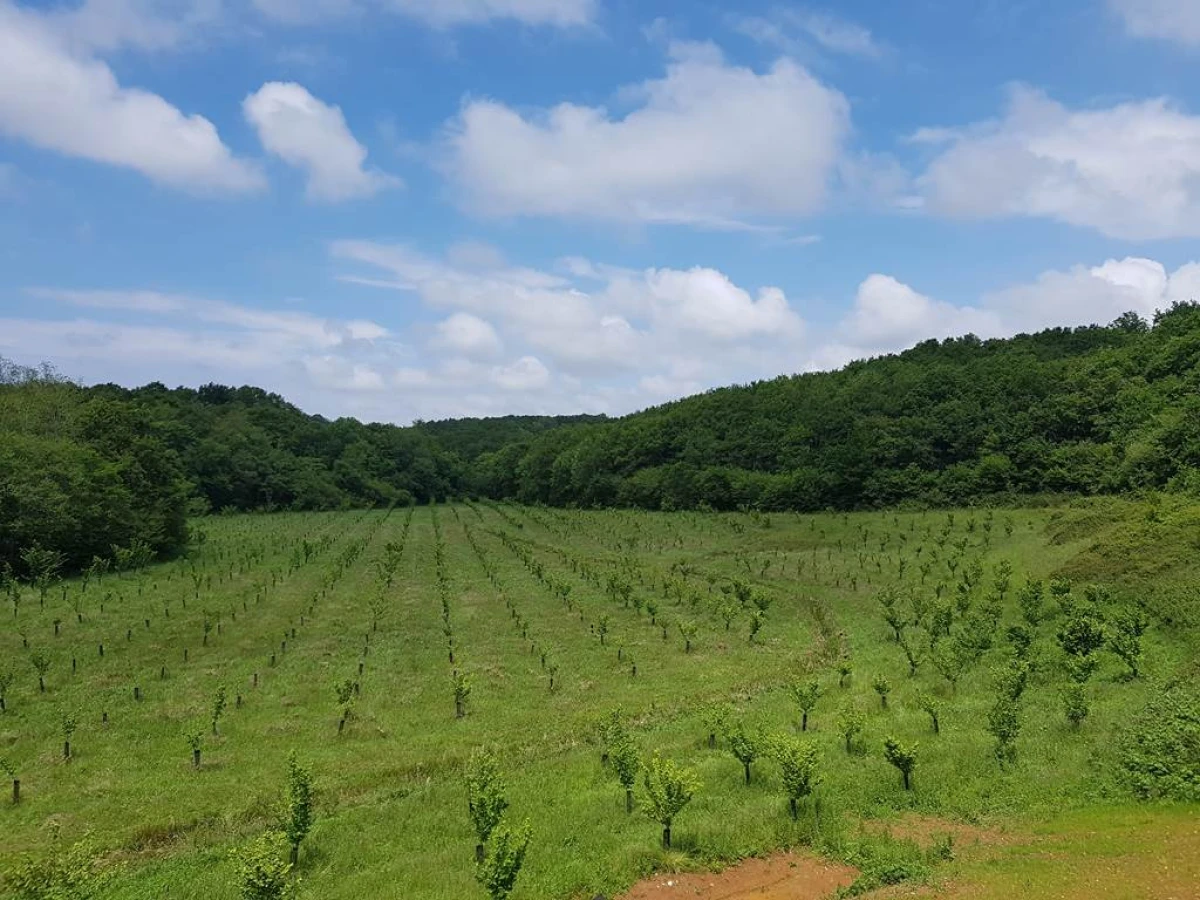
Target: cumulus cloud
(1130, 171)
(888, 315)
(467, 334)
(1170, 20)
(709, 144)
(483, 336)
(313, 136)
(57, 98)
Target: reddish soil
(789, 876)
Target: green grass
(391, 804)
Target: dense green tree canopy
(1084, 410)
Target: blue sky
(401, 209)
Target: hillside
(1087, 410)
(1099, 409)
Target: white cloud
(74, 105)
(527, 374)
(313, 136)
(619, 343)
(888, 315)
(794, 30)
(105, 25)
(305, 12)
(706, 302)
(437, 13)
(1170, 20)
(443, 13)
(709, 144)
(467, 334)
(604, 339)
(1130, 171)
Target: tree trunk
(16, 791)
(295, 855)
(747, 767)
(667, 836)
(195, 759)
(628, 800)
(804, 721)
(41, 684)
(792, 804)
(906, 782)
(66, 749)
(341, 724)
(479, 853)
(458, 709)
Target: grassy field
(278, 609)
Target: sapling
(903, 757)
(41, 665)
(745, 745)
(850, 724)
(845, 669)
(497, 872)
(911, 652)
(195, 740)
(297, 806)
(263, 868)
(7, 676)
(1004, 724)
(68, 730)
(1075, 704)
(933, 708)
(485, 798)
(883, 687)
(626, 762)
(1125, 639)
(797, 767)
(72, 873)
(806, 694)
(10, 770)
(952, 658)
(218, 707)
(689, 630)
(345, 698)
(716, 716)
(757, 618)
(461, 683)
(668, 789)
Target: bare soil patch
(787, 876)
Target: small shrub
(263, 868)
(505, 855)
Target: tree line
(1095, 409)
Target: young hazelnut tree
(668, 789)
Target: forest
(1090, 410)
